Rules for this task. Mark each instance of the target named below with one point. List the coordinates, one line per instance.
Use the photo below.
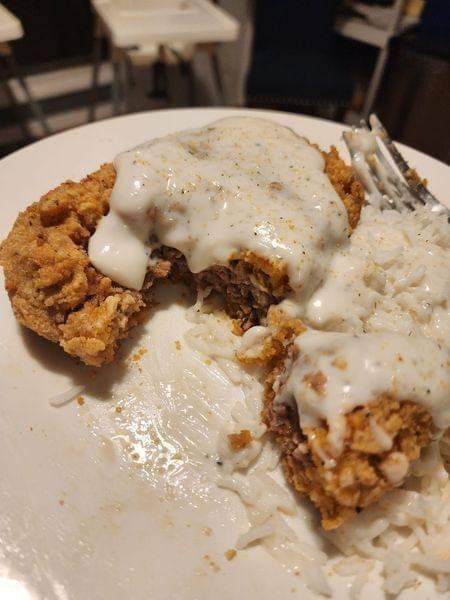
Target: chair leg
(375, 82)
(115, 92)
(120, 84)
(96, 58)
(159, 81)
(188, 72)
(27, 134)
(217, 77)
(33, 104)
(116, 87)
(124, 84)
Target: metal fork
(389, 184)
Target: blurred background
(65, 63)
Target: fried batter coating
(345, 183)
(53, 288)
(342, 486)
(56, 292)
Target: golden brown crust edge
(346, 184)
(53, 288)
(358, 478)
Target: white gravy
(239, 184)
(336, 372)
(377, 305)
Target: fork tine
(371, 172)
(385, 177)
(363, 170)
(415, 185)
(392, 182)
(379, 129)
(384, 172)
(378, 164)
(395, 186)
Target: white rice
(407, 532)
(65, 397)
(393, 276)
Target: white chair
(375, 26)
(10, 30)
(149, 31)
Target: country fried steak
(55, 290)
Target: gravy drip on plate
(240, 184)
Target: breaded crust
(343, 486)
(56, 292)
(53, 288)
(345, 183)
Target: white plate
(81, 515)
